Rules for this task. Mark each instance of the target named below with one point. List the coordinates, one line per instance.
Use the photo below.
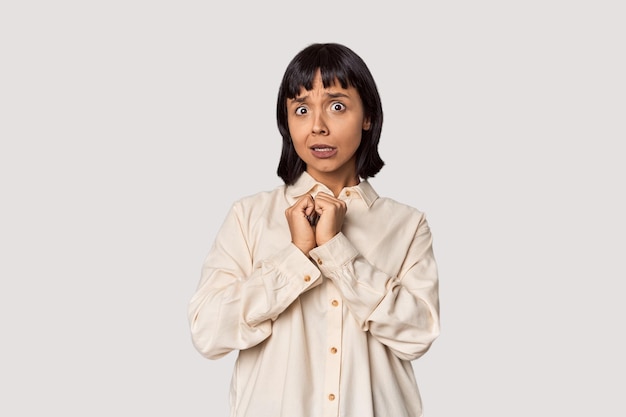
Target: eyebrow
(302, 99)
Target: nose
(319, 125)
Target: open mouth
(323, 151)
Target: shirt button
(319, 261)
(331, 397)
(333, 350)
(347, 193)
(335, 303)
(307, 278)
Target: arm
(235, 302)
(401, 312)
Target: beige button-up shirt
(330, 335)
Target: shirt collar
(307, 184)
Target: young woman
(326, 290)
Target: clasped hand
(331, 213)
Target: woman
(326, 290)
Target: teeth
(323, 149)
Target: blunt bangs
(304, 69)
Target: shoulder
(260, 200)
(395, 206)
(399, 214)
(392, 210)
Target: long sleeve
(238, 297)
(402, 311)
(327, 335)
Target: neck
(336, 183)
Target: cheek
(296, 131)
(356, 133)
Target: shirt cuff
(334, 254)
(295, 269)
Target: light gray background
(129, 127)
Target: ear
(367, 124)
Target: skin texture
(326, 126)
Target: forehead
(319, 78)
(318, 88)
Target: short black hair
(336, 62)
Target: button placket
(334, 316)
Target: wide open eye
(336, 106)
(301, 110)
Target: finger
(325, 202)
(302, 207)
(310, 205)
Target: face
(325, 125)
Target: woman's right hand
(302, 232)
